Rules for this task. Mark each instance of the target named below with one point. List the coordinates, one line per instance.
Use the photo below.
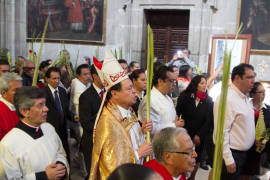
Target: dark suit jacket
(198, 120)
(89, 104)
(27, 80)
(53, 116)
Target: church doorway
(170, 29)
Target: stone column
(13, 27)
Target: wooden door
(170, 29)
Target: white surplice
(22, 156)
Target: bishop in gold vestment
(112, 143)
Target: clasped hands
(55, 171)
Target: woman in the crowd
(183, 79)
(138, 78)
(252, 164)
(196, 108)
(133, 66)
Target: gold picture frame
(70, 21)
(216, 56)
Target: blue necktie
(58, 104)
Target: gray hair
(24, 98)
(26, 62)
(165, 141)
(6, 78)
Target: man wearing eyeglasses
(28, 73)
(174, 152)
(162, 110)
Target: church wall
(125, 28)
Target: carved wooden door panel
(170, 29)
(168, 40)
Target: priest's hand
(145, 150)
(147, 126)
(51, 171)
(55, 171)
(60, 171)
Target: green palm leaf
(218, 155)
(150, 60)
(37, 61)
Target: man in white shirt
(239, 124)
(32, 150)
(78, 86)
(162, 111)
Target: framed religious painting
(70, 21)
(240, 51)
(255, 17)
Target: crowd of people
(105, 109)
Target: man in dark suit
(89, 103)
(58, 104)
(28, 72)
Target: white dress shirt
(162, 111)
(239, 123)
(136, 135)
(97, 89)
(215, 91)
(53, 90)
(77, 88)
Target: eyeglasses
(29, 68)
(260, 92)
(190, 153)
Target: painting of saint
(81, 21)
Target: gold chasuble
(112, 144)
